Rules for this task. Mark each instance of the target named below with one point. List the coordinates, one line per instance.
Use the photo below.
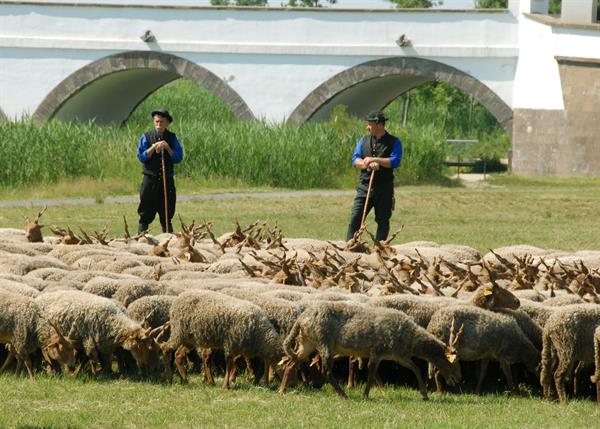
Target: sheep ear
(451, 356)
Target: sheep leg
(559, 377)
(206, 366)
(9, 360)
(409, 364)
(180, 359)
(483, 366)
(168, 356)
(351, 377)
(251, 374)
(596, 377)
(580, 367)
(327, 362)
(229, 365)
(372, 368)
(509, 378)
(27, 361)
(439, 387)
(547, 366)
(291, 366)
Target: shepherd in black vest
(153, 146)
(381, 152)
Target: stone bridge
(538, 75)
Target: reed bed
(216, 146)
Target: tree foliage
(410, 4)
(306, 3)
(239, 2)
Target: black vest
(153, 167)
(378, 148)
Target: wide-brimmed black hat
(376, 116)
(164, 113)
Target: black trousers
(152, 201)
(382, 199)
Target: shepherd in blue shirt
(153, 146)
(380, 152)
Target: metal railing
(457, 151)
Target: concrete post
(579, 11)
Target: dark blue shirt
(144, 145)
(395, 156)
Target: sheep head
(33, 230)
(450, 366)
(62, 349)
(491, 296)
(144, 349)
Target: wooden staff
(164, 175)
(364, 215)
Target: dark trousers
(382, 199)
(152, 201)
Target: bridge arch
(375, 84)
(109, 89)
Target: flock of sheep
(288, 308)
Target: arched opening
(109, 89)
(375, 84)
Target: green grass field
(117, 403)
(505, 210)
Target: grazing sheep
(487, 335)
(23, 327)
(281, 313)
(19, 288)
(348, 329)
(153, 309)
(596, 377)
(100, 325)
(539, 312)
(568, 339)
(419, 308)
(203, 319)
(130, 291)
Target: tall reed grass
(215, 145)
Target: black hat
(376, 116)
(164, 113)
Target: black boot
(164, 228)
(142, 227)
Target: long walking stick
(364, 215)
(164, 175)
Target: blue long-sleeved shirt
(395, 156)
(144, 144)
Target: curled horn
(146, 321)
(454, 337)
(61, 336)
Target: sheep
(129, 292)
(22, 326)
(346, 329)
(487, 335)
(539, 312)
(19, 288)
(153, 309)
(36, 283)
(568, 339)
(281, 313)
(596, 377)
(421, 308)
(100, 325)
(204, 319)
